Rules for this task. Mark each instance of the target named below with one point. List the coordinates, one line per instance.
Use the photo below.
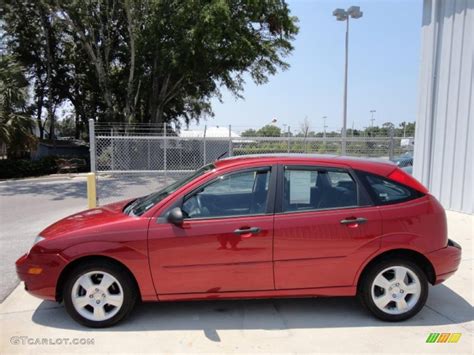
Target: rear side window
(385, 191)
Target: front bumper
(40, 284)
(446, 261)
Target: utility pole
(324, 126)
(372, 119)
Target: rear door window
(314, 189)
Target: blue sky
(384, 53)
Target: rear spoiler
(402, 177)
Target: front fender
(134, 258)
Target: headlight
(37, 240)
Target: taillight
(398, 175)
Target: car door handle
(247, 231)
(357, 221)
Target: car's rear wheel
(394, 290)
(99, 294)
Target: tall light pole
(372, 119)
(344, 15)
(324, 126)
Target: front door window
(237, 194)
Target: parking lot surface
(318, 325)
(27, 206)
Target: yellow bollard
(91, 191)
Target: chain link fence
(134, 160)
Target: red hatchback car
(251, 227)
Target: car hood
(89, 220)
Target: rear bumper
(43, 284)
(446, 261)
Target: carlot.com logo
(443, 337)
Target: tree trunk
(80, 116)
(49, 72)
(130, 102)
(104, 83)
(99, 64)
(51, 121)
(154, 90)
(77, 129)
(159, 115)
(39, 109)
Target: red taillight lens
(398, 175)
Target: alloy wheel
(396, 290)
(97, 296)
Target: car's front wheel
(99, 294)
(394, 290)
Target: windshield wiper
(137, 209)
(129, 206)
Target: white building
(445, 125)
(210, 132)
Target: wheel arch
(408, 254)
(89, 258)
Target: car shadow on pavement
(444, 307)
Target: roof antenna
(220, 156)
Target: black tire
(365, 290)
(127, 284)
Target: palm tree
(16, 124)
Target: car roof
(372, 165)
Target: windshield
(143, 204)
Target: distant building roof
(212, 132)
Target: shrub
(23, 168)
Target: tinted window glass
(235, 194)
(387, 191)
(143, 204)
(341, 179)
(237, 183)
(318, 189)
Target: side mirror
(175, 216)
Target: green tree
(145, 60)
(16, 125)
(387, 129)
(66, 127)
(158, 61)
(35, 39)
(406, 129)
(249, 133)
(208, 45)
(269, 131)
